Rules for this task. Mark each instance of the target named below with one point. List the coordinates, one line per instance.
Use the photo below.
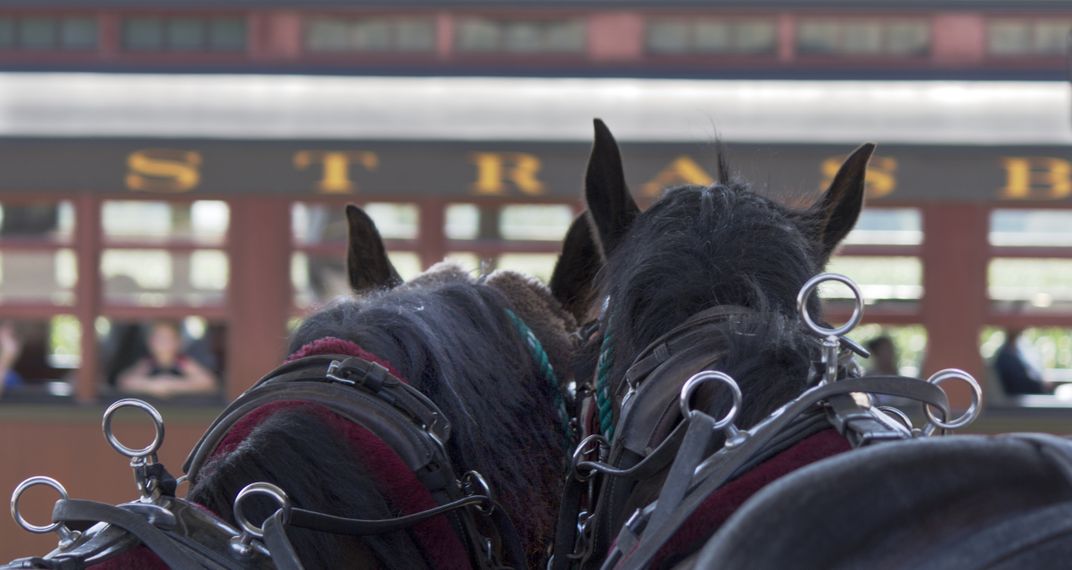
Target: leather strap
(313, 520)
(730, 462)
(698, 440)
(278, 544)
(68, 510)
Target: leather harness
(608, 502)
(185, 535)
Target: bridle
(659, 432)
(184, 534)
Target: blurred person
(10, 349)
(883, 361)
(167, 370)
(1018, 374)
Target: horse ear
(839, 207)
(611, 206)
(366, 257)
(575, 271)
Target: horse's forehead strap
(663, 348)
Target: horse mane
(699, 247)
(334, 481)
(454, 341)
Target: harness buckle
(352, 373)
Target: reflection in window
(887, 226)
(705, 35)
(537, 264)
(909, 343)
(1018, 284)
(1031, 227)
(184, 34)
(486, 35)
(162, 358)
(203, 221)
(38, 276)
(317, 279)
(1027, 37)
(463, 221)
(156, 277)
(863, 37)
(37, 221)
(535, 222)
(880, 278)
(389, 34)
(38, 358)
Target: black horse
(695, 249)
(463, 342)
(707, 279)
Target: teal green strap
(546, 370)
(606, 413)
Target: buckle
(358, 372)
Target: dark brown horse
(491, 352)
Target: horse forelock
(701, 247)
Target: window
(46, 358)
(881, 279)
(535, 222)
(184, 34)
(1045, 373)
(161, 254)
(46, 33)
(38, 273)
(390, 34)
(863, 37)
(909, 346)
(1030, 284)
(202, 221)
(318, 266)
(37, 263)
(537, 264)
(485, 35)
(140, 357)
(1030, 228)
(1011, 37)
(887, 226)
(463, 221)
(711, 36)
(319, 223)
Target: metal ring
(584, 448)
(262, 488)
(809, 288)
(899, 414)
(976, 399)
(15, 514)
(158, 425)
(474, 477)
(696, 380)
